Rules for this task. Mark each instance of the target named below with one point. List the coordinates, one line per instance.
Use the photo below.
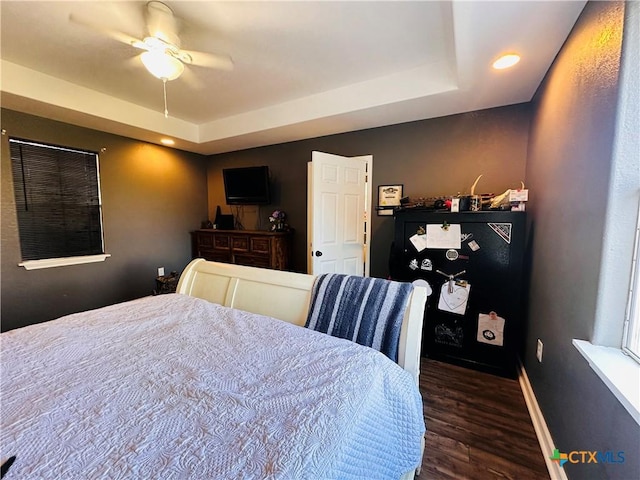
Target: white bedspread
(175, 387)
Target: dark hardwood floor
(478, 427)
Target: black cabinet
(474, 316)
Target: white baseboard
(540, 426)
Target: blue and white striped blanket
(368, 311)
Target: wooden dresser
(244, 247)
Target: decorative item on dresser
(254, 248)
(277, 220)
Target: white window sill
(62, 262)
(618, 371)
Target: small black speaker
(224, 222)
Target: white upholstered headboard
(286, 296)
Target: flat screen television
(246, 185)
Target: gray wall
(151, 196)
(568, 171)
(435, 157)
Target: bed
(217, 381)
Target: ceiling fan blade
(134, 62)
(209, 60)
(98, 27)
(140, 44)
(192, 80)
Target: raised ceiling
(302, 69)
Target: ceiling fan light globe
(161, 65)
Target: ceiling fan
(162, 55)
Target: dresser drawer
(240, 244)
(205, 241)
(252, 260)
(215, 255)
(221, 242)
(260, 245)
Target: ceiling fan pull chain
(164, 88)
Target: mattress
(175, 387)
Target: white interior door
(339, 202)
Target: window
(58, 206)
(631, 343)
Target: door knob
(318, 253)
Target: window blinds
(57, 200)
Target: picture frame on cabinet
(388, 198)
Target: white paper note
(419, 241)
(438, 237)
(490, 329)
(456, 300)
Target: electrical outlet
(160, 271)
(539, 351)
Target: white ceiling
(302, 69)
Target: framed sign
(388, 198)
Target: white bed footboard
(286, 296)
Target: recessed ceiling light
(506, 61)
(167, 141)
